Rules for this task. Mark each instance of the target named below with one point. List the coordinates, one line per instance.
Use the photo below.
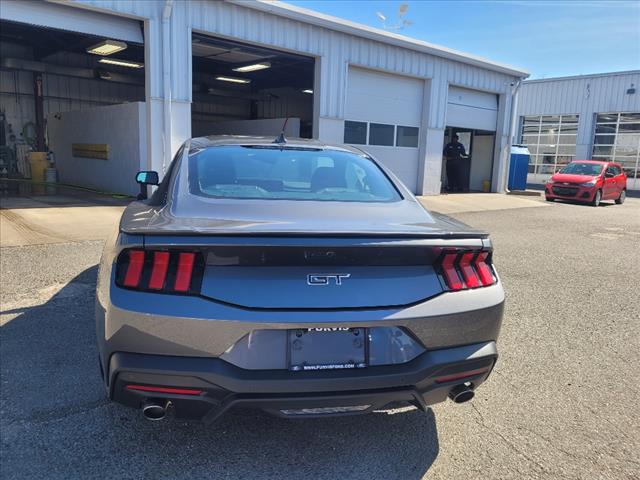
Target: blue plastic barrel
(518, 167)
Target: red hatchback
(588, 181)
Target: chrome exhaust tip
(462, 393)
(155, 410)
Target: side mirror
(144, 178)
(147, 178)
(609, 175)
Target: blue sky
(549, 38)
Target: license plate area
(335, 348)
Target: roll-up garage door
(472, 109)
(383, 116)
(73, 19)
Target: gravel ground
(561, 404)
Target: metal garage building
(205, 67)
(584, 117)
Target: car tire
(623, 195)
(549, 199)
(597, 198)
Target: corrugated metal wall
(335, 48)
(584, 96)
(61, 93)
(574, 95)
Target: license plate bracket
(336, 348)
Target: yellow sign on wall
(90, 150)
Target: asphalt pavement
(562, 402)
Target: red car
(588, 181)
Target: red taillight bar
(177, 391)
(159, 272)
(484, 271)
(185, 269)
(461, 375)
(450, 273)
(468, 273)
(134, 270)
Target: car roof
(242, 140)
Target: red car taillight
(465, 269)
(163, 271)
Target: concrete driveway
(562, 402)
(39, 214)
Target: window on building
(551, 140)
(380, 134)
(355, 132)
(406, 136)
(617, 139)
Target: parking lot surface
(562, 402)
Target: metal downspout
(166, 81)
(512, 132)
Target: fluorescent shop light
(233, 79)
(107, 47)
(121, 63)
(253, 68)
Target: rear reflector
(185, 269)
(159, 272)
(461, 375)
(134, 271)
(176, 391)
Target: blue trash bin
(518, 167)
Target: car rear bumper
(426, 380)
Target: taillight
(163, 271)
(465, 269)
(134, 270)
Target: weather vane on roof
(401, 21)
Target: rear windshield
(592, 169)
(287, 174)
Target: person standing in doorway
(455, 155)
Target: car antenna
(280, 139)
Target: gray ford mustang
(295, 277)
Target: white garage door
(62, 17)
(472, 109)
(383, 114)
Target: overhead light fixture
(253, 68)
(107, 47)
(308, 90)
(233, 79)
(121, 63)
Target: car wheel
(621, 198)
(549, 199)
(596, 199)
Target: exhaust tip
(462, 393)
(154, 411)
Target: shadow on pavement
(57, 423)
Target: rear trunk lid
(320, 276)
(197, 215)
(307, 255)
